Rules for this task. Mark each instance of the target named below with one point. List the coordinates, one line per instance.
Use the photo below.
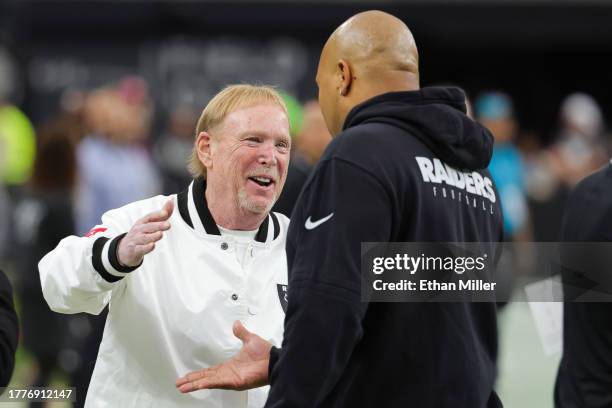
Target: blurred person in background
(43, 216)
(546, 194)
(580, 146)
(552, 172)
(173, 149)
(314, 137)
(299, 169)
(114, 166)
(495, 111)
(584, 378)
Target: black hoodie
(387, 178)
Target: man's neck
(228, 215)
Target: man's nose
(267, 154)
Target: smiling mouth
(262, 181)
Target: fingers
(144, 239)
(140, 243)
(136, 253)
(161, 215)
(196, 385)
(141, 239)
(204, 379)
(191, 377)
(169, 207)
(145, 249)
(150, 227)
(240, 331)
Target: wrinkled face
(328, 94)
(250, 155)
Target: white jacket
(174, 313)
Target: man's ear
(204, 149)
(345, 77)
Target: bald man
(407, 164)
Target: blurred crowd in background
(110, 145)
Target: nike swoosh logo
(310, 225)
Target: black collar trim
(193, 209)
(208, 222)
(181, 199)
(276, 225)
(262, 234)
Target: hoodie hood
(437, 117)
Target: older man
(407, 164)
(176, 280)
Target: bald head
(369, 54)
(375, 41)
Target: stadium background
(536, 51)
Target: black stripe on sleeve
(96, 260)
(112, 256)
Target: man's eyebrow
(263, 134)
(251, 133)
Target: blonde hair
(230, 99)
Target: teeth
(262, 180)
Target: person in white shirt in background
(178, 270)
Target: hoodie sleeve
(342, 206)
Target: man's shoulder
(589, 208)
(365, 131)
(376, 148)
(593, 189)
(595, 181)
(372, 141)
